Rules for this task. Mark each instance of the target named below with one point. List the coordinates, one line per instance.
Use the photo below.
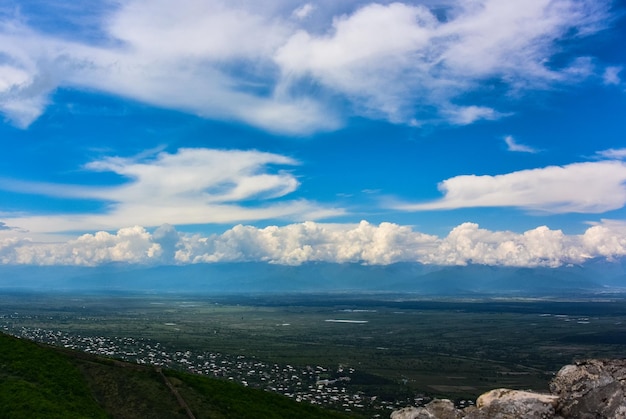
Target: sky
(444, 132)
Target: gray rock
(591, 389)
(511, 404)
(412, 413)
(437, 409)
(444, 409)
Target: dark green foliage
(129, 391)
(216, 399)
(37, 382)
(409, 346)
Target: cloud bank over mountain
(295, 244)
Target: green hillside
(38, 381)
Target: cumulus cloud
(513, 145)
(167, 238)
(131, 245)
(393, 58)
(298, 243)
(265, 67)
(295, 244)
(592, 187)
(468, 243)
(191, 186)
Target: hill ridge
(40, 380)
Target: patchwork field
(394, 348)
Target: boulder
(443, 408)
(436, 409)
(509, 404)
(593, 388)
(411, 413)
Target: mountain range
(595, 276)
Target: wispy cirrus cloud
(191, 186)
(466, 115)
(612, 153)
(303, 11)
(263, 67)
(513, 145)
(611, 75)
(591, 187)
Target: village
(318, 385)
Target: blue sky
(437, 131)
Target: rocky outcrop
(507, 403)
(438, 408)
(592, 389)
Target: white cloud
(189, 28)
(468, 243)
(513, 145)
(132, 245)
(195, 56)
(613, 153)
(465, 115)
(23, 96)
(214, 175)
(299, 243)
(336, 243)
(303, 11)
(607, 239)
(192, 186)
(4, 227)
(239, 61)
(611, 75)
(393, 58)
(513, 39)
(593, 187)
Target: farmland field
(396, 346)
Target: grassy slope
(43, 382)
